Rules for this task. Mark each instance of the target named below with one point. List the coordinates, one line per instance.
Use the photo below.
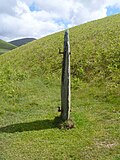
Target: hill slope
(30, 94)
(5, 46)
(95, 53)
(20, 42)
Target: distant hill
(20, 42)
(5, 46)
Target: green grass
(30, 94)
(28, 130)
(3, 51)
(5, 46)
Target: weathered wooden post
(65, 81)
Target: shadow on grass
(31, 126)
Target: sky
(38, 18)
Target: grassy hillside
(5, 46)
(20, 42)
(30, 94)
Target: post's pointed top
(67, 31)
(66, 35)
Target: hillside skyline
(33, 18)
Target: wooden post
(65, 81)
